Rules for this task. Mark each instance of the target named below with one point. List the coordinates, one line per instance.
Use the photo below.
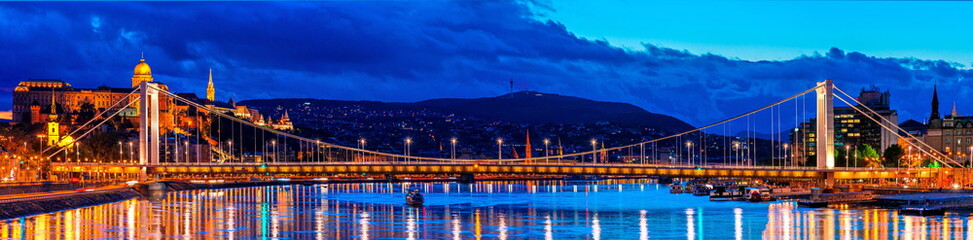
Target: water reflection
(489, 210)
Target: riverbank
(40, 202)
(54, 202)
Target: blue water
(488, 210)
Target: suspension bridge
(220, 144)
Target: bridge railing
(487, 162)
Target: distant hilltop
(526, 107)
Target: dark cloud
(407, 51)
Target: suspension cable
(890, 129)
(490, 160)
(896, 125)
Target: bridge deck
(488, 168)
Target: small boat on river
(414, 198)
(675, 188)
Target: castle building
(29, 97)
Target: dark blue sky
(409, 51)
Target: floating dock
(819, 199)
(927, 203)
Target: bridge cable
(889, 129)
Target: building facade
(951, 134)
(35, 98)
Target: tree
(892, 155)
(870, 156)
(85, 112)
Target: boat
(583, 178)
(758, 194)
(721, 193)
(414, 198)
(921, 210)
(701, 190)
(675, 188)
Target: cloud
(409, 51)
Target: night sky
(410, 51)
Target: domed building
(142, 73)
(30, 94)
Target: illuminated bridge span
(209, 142)
(371, 168)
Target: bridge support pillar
(148, 125)
(828, 181)
(824, 137)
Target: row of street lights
(407, 148)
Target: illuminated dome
(143, 68)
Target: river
(609, 209)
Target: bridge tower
(148, 123)
(824, 134)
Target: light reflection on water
(488, 210)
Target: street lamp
(452, 152)
(273, 144)
(546, 152)
(594, 150)
(131, 153)
(317, 147)
(847, 155)
(120, 151)
(408, 147)
(499, 148)
(230, 146)
(689, 146)
(736, 152)
(186, 148)
(77, 150)
(362, 142)
(911, 158)
(783, 162)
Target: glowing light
(643, 226)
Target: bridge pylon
(148, 125)
(824, 137)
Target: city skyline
(468, 57)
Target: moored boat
(721, 193)
(758, 194)
(701, 190)
(675, 188)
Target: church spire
(53, 106)
(527, 148)
(935, 104)
(954, 109)
(210, 90)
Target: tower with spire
(954, 110)
(210, 90)
(53, 127)
(528, 151)
(934, 120)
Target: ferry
(701, 190)
(675, 188)
(721, 193)
(758, 194)
(414, 198)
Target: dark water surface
(611, 209)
